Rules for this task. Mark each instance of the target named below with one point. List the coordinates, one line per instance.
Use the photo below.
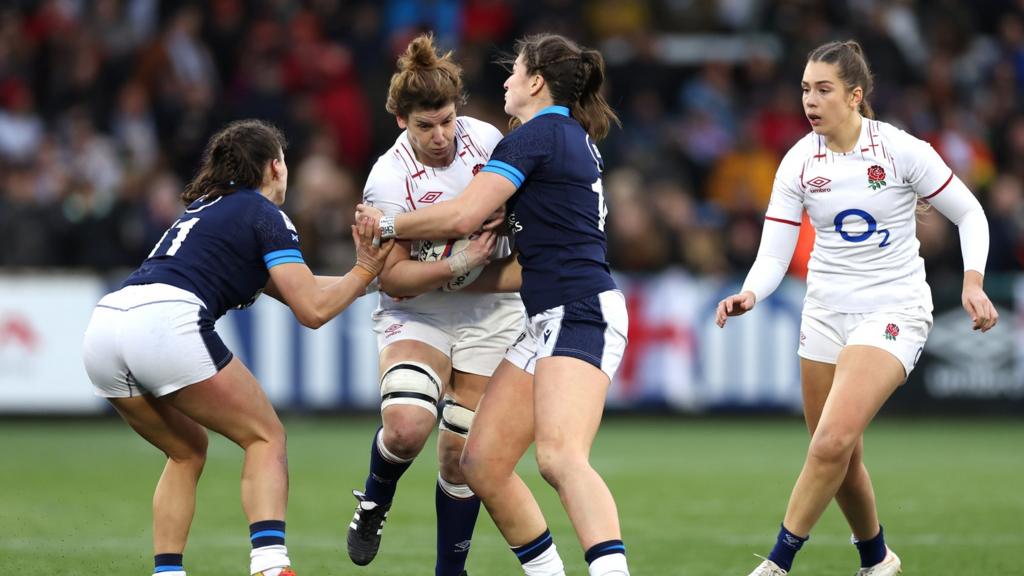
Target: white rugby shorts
(151, 339)
(592, 329)
(474, 339)
(902, 333)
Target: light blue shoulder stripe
(285, 260)
(507, 170)
(286, 256)
(281, 254)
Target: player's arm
(405, 277)
(956, 202)
(505, 275)
(456, 218)
(316, 299)
(778, 240)
(936, 184)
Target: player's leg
(856, 495)
(902, 335)
(456, 505)
(126, 323)
(568, 404)
(184, 443)
(583, 343)
(865, 377)
(481, 338)
(823, 334)
(413, 377)
(233, 404)
(502, 431)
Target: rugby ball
(432, 250)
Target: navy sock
(871, 551)
(382, 480)
(266, 533)
(786, 547)
(456, 519)
(534, 547)
(604, 549)
(167, 563)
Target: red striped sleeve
(797, 224)
(941, 188)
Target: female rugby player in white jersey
(551, 387)
(151, 348)
(438, 344)
(868, 308)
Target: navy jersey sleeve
(276, 236)
(522, 152)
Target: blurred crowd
(105, 106)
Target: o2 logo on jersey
(856, 237)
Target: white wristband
(387, 227)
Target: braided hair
(234, 158)
(574, 76)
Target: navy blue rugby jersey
(222, 250)
(558, 210)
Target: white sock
(269, 560)
(174, 573)
(548, 563)
(610, 565)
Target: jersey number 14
(598, 186)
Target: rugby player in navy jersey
(550, 388)
(152, 351)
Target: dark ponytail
(574, 76)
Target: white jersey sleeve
(936, 184)
(786, 205)
(919, 164)
(781, 227)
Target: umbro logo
(819, 184)
(430, 197)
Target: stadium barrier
(677, 358)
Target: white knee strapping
(460, 491)
(455, 417)
(410, 383)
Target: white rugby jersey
(399, 183)
(862, 205)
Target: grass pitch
(695, 497)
